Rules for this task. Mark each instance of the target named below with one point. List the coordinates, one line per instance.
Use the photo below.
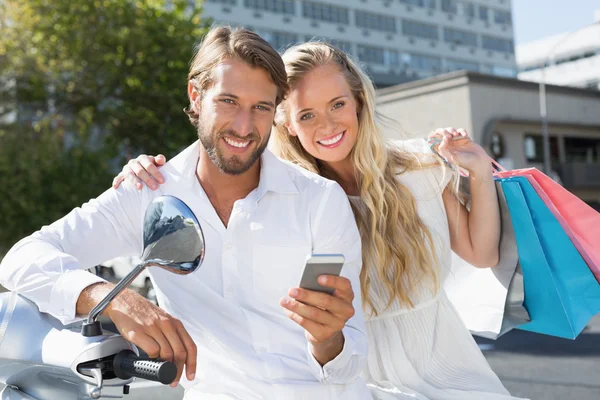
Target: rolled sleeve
(65, 294)
(342, 368)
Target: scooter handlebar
(127, 364)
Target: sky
(536, 19)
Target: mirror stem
(92, 327)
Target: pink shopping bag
(580, 222)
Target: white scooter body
(39, 356)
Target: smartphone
(321, 264)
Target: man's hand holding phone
(322, 315)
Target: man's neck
(222, 189)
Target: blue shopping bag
(561, 293)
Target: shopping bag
(561, 293)
(579, 221)
(489, 300)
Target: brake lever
(95, 392)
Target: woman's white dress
(426, 352)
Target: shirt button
(229, 246)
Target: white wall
(421, 110)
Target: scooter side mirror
(173, 240)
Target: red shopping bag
(580, 222)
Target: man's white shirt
(247, 347)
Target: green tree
(91, 83)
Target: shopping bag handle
(436, 140)
(499, 168)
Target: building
(503, 115)
(396, 40)
(575, 58)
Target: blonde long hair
(397, 246)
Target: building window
(420, 3)
(468, 9)
(457, 36)
(582, 150)
(484, 13)
(534, 148)
(419, 29)
(378, 55)
(276, 6)
(449, 6)
(343, 45)
(457, 65)
(391, 58)
(497, 44)
(422, 62)
(374, 21)
(507, 72)
(502, 17)
(370, 54)
(224, 2)
(325, 12)
(279, 40)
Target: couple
(239, 325)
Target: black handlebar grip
(127, 364)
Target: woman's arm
(474, 235)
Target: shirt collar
(274, 175)
(184, 165)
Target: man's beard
(233, 165)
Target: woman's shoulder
(419, 168)
(417, 146)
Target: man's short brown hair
(223, 43)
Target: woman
(409, 217)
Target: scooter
(41, 359)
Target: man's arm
(48, 267)
(335, 232)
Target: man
(261, 218)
